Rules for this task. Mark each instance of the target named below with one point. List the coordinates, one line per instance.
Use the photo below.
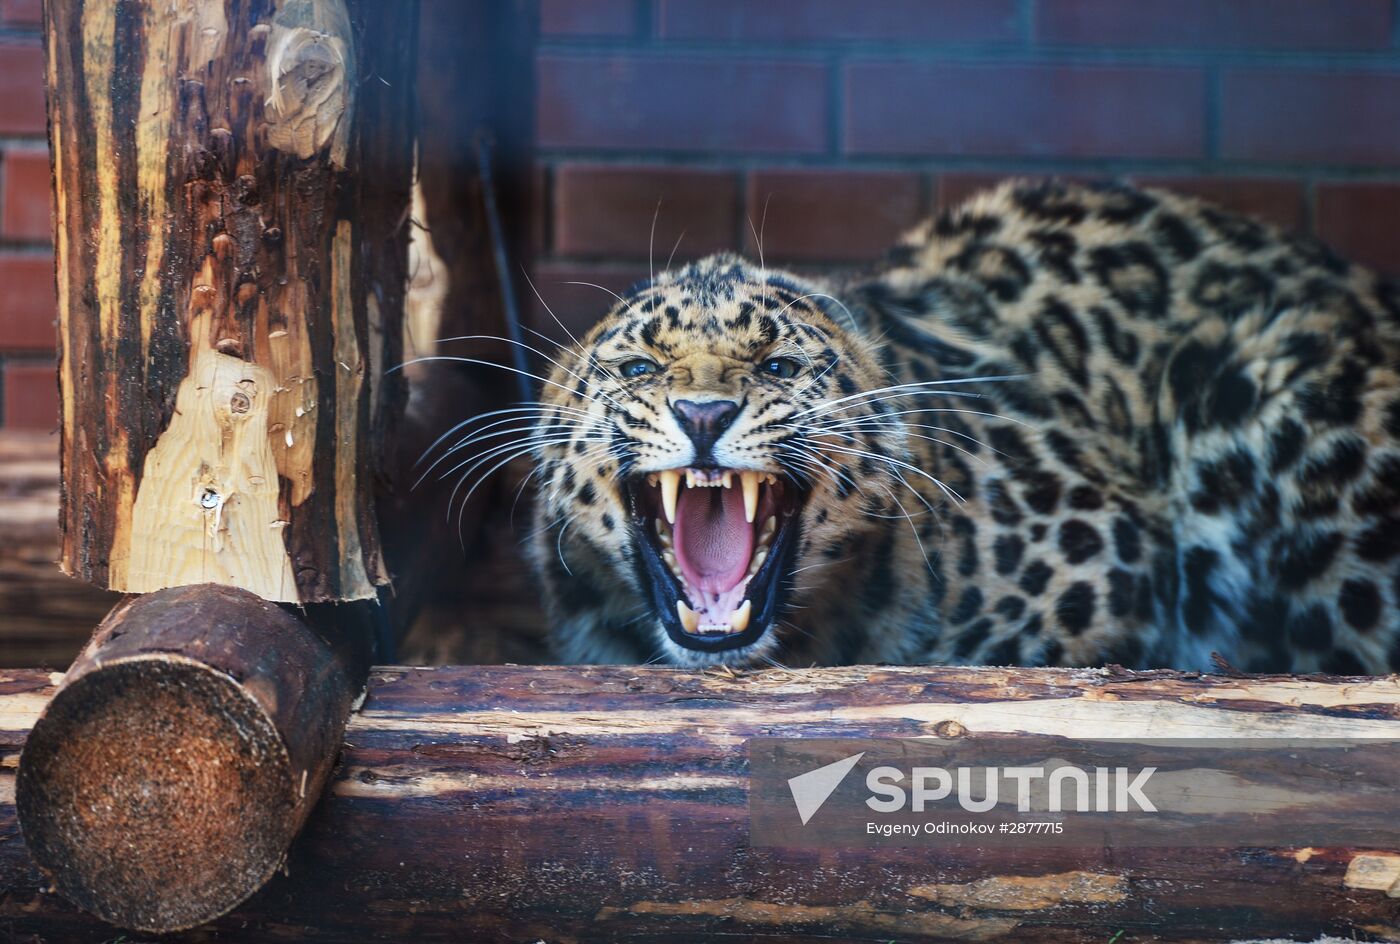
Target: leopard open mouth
(714, 546)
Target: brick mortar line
(37, 143)
(741, 204)
(640, 262)
(1027, 12)
(1215, 96)
(1367, 61)
(942, 163)
(836, 104)
(25, 249)
(927, 180)
(928, 194)
(548, 196)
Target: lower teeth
(739, 618)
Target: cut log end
(182, 752)
(157, 793)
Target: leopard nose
(704, 422)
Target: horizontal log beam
(593, 803)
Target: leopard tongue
(713, 538)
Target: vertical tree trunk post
(231, 200)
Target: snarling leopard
(1061, 424)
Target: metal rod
(498, 252)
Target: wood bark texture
(181, 753)
(610, 803)
(231, 191)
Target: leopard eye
(638, 367)
(781, 367)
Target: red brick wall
(849, 119)
(28, 390)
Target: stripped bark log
(182, 752)
(231, 257)
(602, 803)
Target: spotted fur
(1142, 430)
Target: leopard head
(714, 436)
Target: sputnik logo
(812, 789)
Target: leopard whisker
(483, 436)
(563, 327)
(575, 350)
(795, 628)
(821, 563)
(904, 429)
(939, 409)
(913, 387)
(601, 288)
(821, 466)
(518, 415)
(651, 242)
(485, 363)
(532, 349)
(520, 447)
(855, 326)
(559, 544)
(819, 375)
(520, 492)
(923, 552)
(540, 409)
(811, 455)
(526, 445)
(675, 247)
(896, 463)
(481, 479)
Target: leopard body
(1061, 424)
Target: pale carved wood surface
(232, 258)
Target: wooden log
(181, 753)
(231, 199)
(232, 188)
(607, 803)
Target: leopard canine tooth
(690, 619)
(670, 488)
(750, 482)
(739, 619)
(755, 562)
